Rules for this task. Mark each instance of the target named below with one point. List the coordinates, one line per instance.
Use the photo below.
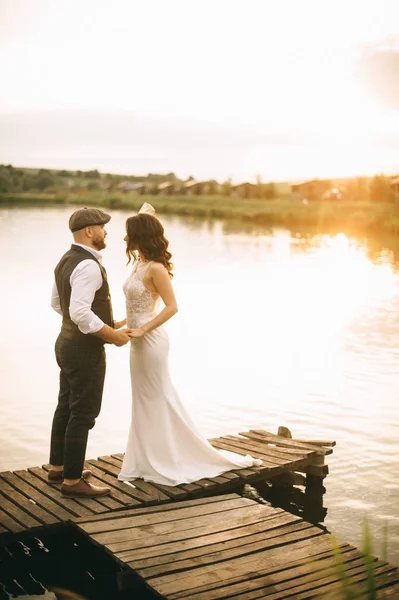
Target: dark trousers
(82, 373)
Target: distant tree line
(17, 180)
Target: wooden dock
(200, 540)
(229, 547)
(28, 503)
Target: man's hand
(121, 336)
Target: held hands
(121, 336)
(136, 333)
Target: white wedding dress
(164, 445)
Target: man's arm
(55, 300)
(85, 280)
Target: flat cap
(84, 217)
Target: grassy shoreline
(360, 217)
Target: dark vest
(101, 305)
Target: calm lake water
(273, 329)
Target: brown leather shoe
(83, 489)
(54, 476)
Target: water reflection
(275, 327)
(383, 246)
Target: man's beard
(99, 244)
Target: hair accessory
(147, 209)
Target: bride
(164, 445)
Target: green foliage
(368, 588)
(380, 189)
(356, 190)
(92, 174)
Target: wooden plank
(330, 443)
(319, 586)
(273, 588)
(89, 503)
(172, 529)
(219, 588)
(119, 456)
(174, 492)
(384, 573)
(262, 450)
(231, 447)
(226, 552)
(240, 544)
(246, 518)
(238, 567)
(206, 484)
(269, 467)
(108, 474)
(53, 493)
(18, 514)
(41, 500)
(278, 586)
(164, 507)
(184, 514)
(26, 505)
(316, 470)
(285, 442)
(253, 474)
(288, 578)
(202, 542)
(155, 494)
(230, 475)
(191, 488)
(8, 522)
(276, 451)
(110, 460)
(391, 593)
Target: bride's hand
(119, 324)
(137, 333)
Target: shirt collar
(94, 252)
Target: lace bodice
(141, 304)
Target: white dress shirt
(85, 281)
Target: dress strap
(142, 271)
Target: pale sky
(284, 89)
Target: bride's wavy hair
(146, 233)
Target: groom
(81, 296)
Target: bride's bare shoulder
(157, 267)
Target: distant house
(125, 186)
(142, 188)
(394, 182)
(194, 188)
(245, 190)
(167, 188)
(309, 190)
